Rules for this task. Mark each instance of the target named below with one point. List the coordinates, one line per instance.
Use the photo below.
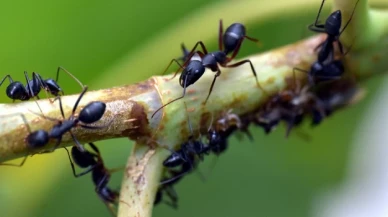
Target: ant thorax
(196, 57)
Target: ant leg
(43, 116)
(32, 94)
(60, 106)
(310, 77)
(317, 28)
(73, 168)
(171, 193)
(71, 75)
(351, 16)
(234, 54)
(253, 71)
(42, 84)
(220, 34)
(111, 208)
(175, 178)
(9, 78)
(252, 39)
(78, 100)
(172, 61)
(55, 146)
(191, 54)
(218, 73)
(97, 127)
(78, 144)
(183, 95)
(16, 165)
(28, 84)
(319, 13)
(94, 147)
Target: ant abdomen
(16, 91)
(233, 36)
(92, 112)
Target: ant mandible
(194, 67)
(17, 91)
(332, 28)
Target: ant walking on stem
(194, 66)
(91, 113)
(17, 91)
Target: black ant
(324, 71)
(194, 68)
(186, 156)
(91, 113)
(17, 91)
(332, 28)
(100, 175)
(291, 107)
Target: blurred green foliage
(271, 176)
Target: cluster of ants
(325, 91)
(88, 115)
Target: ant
(186, 156)
(194, 68)
(291, 107)
(332, 28)
(91, 113)
(17, 91)
(100, 175)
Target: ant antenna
(71, 75)
(183, 95)
(319, 13)
(351, 16)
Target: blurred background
(100, 41)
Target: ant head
(52, 86)
(191, 73)
(37, 139)
(333, 23)
(92, 112)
